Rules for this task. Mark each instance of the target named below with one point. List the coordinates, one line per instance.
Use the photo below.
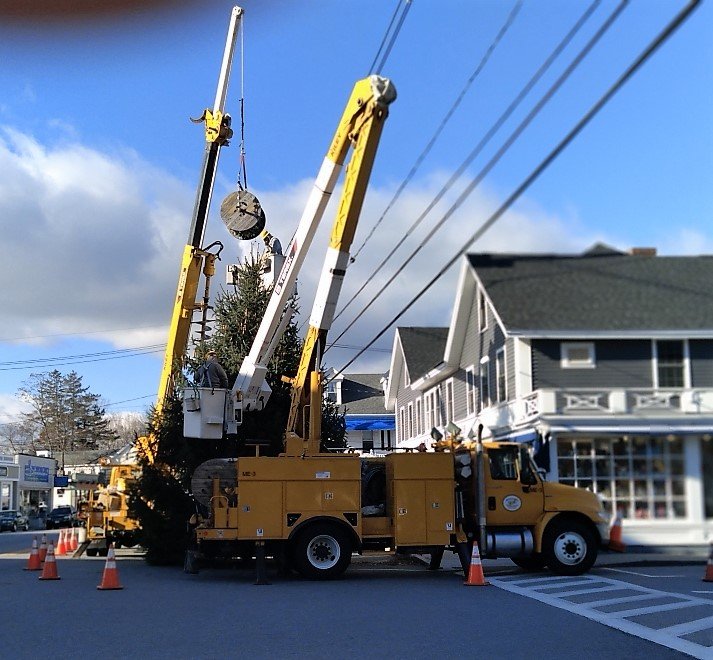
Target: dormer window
(577, 355)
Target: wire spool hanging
(241, 211)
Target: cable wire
(419, 160)
(672, 26)
(542, 102)
(407, 6)
(78, 361)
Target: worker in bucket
(211, 372)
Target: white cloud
(91, 240)
(10, 407)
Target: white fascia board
(612, 334)
(458, 327)
(648, 429)
(433, 376)
(506, 332)
(397, 358)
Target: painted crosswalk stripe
(668, 636)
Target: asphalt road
(381, 609)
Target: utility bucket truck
(314, 510)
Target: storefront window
(639, 476)
(5, 494)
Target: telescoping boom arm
(195, 260)
(359, 127)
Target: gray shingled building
(602, 361)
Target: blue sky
(100, 163)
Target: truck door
(513, 490)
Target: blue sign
(370, 422)
(36, 473)
(61, 482)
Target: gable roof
(363, 394)
(598, 291)
(422, 348)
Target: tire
(532, 563)
(323, 551)
(569, 547)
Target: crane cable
(242, 166)
(546, 97)
(406, 6)
(419, 160)
(672, 26)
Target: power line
(419, 161)
(81, 361)
(547, 96)
(138, 398)
(547, 161)
(117, 351)
(394, 34)
(81, 334)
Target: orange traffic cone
(61, 544)
(75, 540)
(708, 577)
(33, 561)
(615, 542)
(49, 570)
(475, 573)
(43, 548)
(110, 578)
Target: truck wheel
(322, 552)
(569, 547)
(531, 563)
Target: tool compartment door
(439, 512)
(260, 510)
(409, 512)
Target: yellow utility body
(315, 510)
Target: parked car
(61, 516)
(13, 520)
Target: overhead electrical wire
(536, 109)
(46, 363)
(81, 334)
(653, 46)
(394, 31)
(419, 160)
(473, 154)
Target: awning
(370, 422)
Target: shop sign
(37, 474)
